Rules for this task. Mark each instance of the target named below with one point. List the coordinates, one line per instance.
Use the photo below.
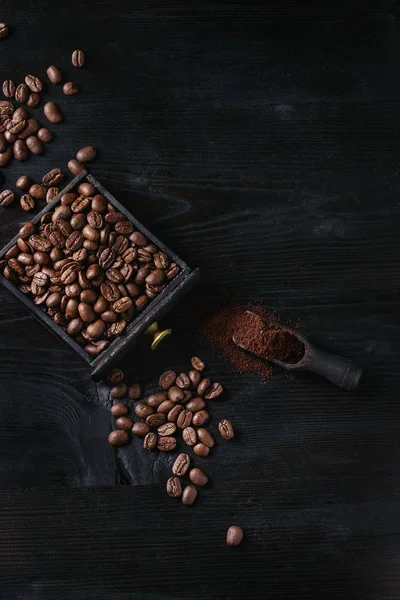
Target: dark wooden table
(261, 142)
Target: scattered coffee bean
(38, 192)
(156, 419)
(33, 83)
(196, 404)
(124, 422)
(181, 465)
(156, 399)
(20, 150)
(3, 30)
(118, 438)
(166, 444)
(9, 88)
(234, 535)
(183, 381)
(33, 100)
(203, 386)
(75, 167)
(167, 429)
(194, 377)
(166, 407)
(32, 127)
(23, 182)
(201, 450)
(78, 58)
(143, 410)
(34, 144)
(45, 135)
(119, 410)
(22, 93)
(140, 429)
(205, 437)
(174, 487)
(213, 391)
(150, 441)
(134, 391)
(189, 436)
(86, 154)
(5, 157)
(53, 177)
(198, 477)
(52, 112)
(197, 363)
(51, 193)
(200, 417)
(184, 419)
(54, 74)
(176, 394)
(167, 379)
(174, 412)
(189, 495)
(119, 390)
(27, 202)
(6, 197)
(70, 88)
(225, 429)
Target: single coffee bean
(86, 189)
(99, 203)
(200, 417)
(109, 316)
(22, 93)
(6, 198)
(20, 150)
(203, 386)
(3, 30)
(25, 258)
(32, 127)
(189, 495)
(172, 271)
(53, 300)
(198, 477)
(174, 488)
(143, 410)
(150, 441)
(140, 429)
(33, 83)
(205, 437)
(106, 259)
(86, 312)
(161, 260)
(124, 422)
(174, 412)
(141, 303)
(138, 238)
(95, 348)
(45, 135)
(87, 154)
(189, 436)
(194, 377)
(167, 429)
(176, 394)
(78, 58)
(5, 157)
(115, 376)
(96, 329)
(27, 202)
(225, 429)
(20, 114)
(33, 100)
(213, 391)
(53, 177)
(167, 379)
(6, 108)
(54, 74)
(119, 390)
(184, 419)
(118, 438)
(110, 291)
(52, 112)
(51, 193)
(134, 391)
(156, 419)
(166, 444)
(196, 404)
(23, 182)
(183, 381)
(9, 88)
(34, 144)
(234, 535)
(75, 167)
(12, 252)
(122, 305)
(119, 410)
(197, 363)
(181, 465)
(100, 305)
(201, 450)
(154, 400)
(27, 229)
(16, 125)
(70, 88)
(38, 192)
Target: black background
(260, 141)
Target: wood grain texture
(260, 141)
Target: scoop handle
(340, 371)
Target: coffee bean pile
(87, 266)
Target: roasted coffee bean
(45, 135)
(19, 114)
(166, 444)
(196, 404)
(6, 197)
(6, 108)
(78, 58)
(90, 233)
(118, 438)
(181, 465)
(234, 535)
(119, 410)
(22, 93)
(119, 390)
(34, 144)
(53, 300)
(37, 191)
(197, 363)
(25, 258)
(56, 254)
(86, 312)
(68, 199)
(12, 252)
(53, 177)
(132, 289)
(167, 429)
(123, 227)
(32, 127)
(134, 391)
(184, 419)
(150, 441)
(122, 305)
(176, 394)
(96, 329)
(78, 220)
(33, 100)
(9, 88)
(94, 348)
(4, 121)
(141, 275)
(27, 229)
(106, 258)
(5, 158)
(141, 303)
(61, 212)
(115, 376)
(198, 477)
(86, 189)
(71, 309)
(226, 429)
(183, 381)
(201, 450)
(189, 436)
(114, 275)
(138, 238)
(33, 83)
(86, 154)
(174, 412)
(172, 271)
(143, 410)
(156, 419)
(189, 495)
(88, 296)
(203, 386)
(109, 316)
(93, 271)
(110, 291)
(27, 202)
(16, 124)
(20, 150)
(200, 417)
(113, 217)
(75, 167)
(161, 260)
(3, 143)
(73, 290)
(16, 266)
(205, 437)
(95, 219)
(52, 112)
(52, 192)
(140, 429)
(80, 204)
(213, 391)
(124, 422)
(99, 203)
(70, 88)
(75, 326)
(174, 488)
(100, 305)
(54, 74)
(74, 241)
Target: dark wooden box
(158, 307)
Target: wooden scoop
(340, 371)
